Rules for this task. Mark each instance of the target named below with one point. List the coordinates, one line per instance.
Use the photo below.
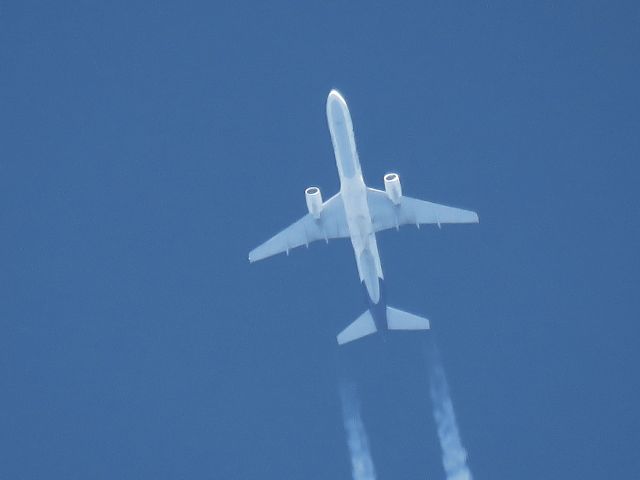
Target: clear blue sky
(146, 148)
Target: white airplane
(358, 212)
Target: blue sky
(147, 148)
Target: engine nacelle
(314, 201)
(392, 187)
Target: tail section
(361, 327)
(400, 320)
(396, 320)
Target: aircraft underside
(358, 212)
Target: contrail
(361, 463)
(454, 456)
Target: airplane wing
(411, 211)
(331, 224)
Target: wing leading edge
(331, 224)
(411, 211)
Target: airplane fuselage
(354, 196)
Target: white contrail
(361, 463)
(454, 456)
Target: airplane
(359, 212)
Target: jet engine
(392, 187)
(314, 201)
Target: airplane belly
(369, 274)
(344, 144)
(357, 212)
(354, 195)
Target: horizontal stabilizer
(399, 320)
(361, 327)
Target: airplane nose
(335, 96)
